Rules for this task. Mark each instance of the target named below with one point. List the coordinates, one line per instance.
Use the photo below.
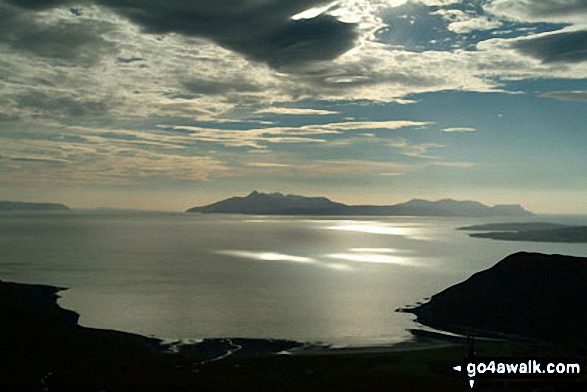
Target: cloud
(267, 164)
(472, 24)
(459, 129)
(42, 103)
(68, 40)
(568, 47)
(432, 3)
(347, 167)
(78, 155)
(463, 22)
(220, 87)
(262, 31)
(415, 150)
(134, 77)
(5, 117)
(561, 11)
(462, 165)
(253, 138)
(294, 111)
(260, 137)
(566, 95)
(352, 125)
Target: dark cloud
(260, 30)
(301, 41)
(564, 11)
(75, 42)
(570, 47)
(129, 60)
(216, 87)
(5, 117)
(550, 8)
(41, 103)
(36, 4)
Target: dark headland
(23, 206)
(530, 231)
(257, 203)
(526, 296)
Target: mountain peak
(261, 194)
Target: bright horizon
(122, 104)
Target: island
(257, 203)
(530, 297)
(23, 206)
(530, 231)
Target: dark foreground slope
(530, 295)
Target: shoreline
(43, 348)
(43, 300)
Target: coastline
(43, 348)
(41, 301)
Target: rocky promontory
(529, 296)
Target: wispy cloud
(294, 111)
(459, 129)
(335, 168)
(416, 150)
(463, 165)
(99, 160)
(562, 11)
(260, 137)
(347, 126)
(566, 95)
(268, 164)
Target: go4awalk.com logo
(518, 368)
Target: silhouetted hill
(529, 295)
(514, 226)
(278, 204)
(22, 206)
(273, 203)
(449, 207)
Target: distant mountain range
(257, 203)
(22, 206)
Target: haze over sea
(311, 279)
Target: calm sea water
(186, 276)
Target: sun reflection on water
(266, 256)
(374, 258)
(374, 228)
(274, 256)
(376, 250)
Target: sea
(181, 276)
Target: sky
(172, 104)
